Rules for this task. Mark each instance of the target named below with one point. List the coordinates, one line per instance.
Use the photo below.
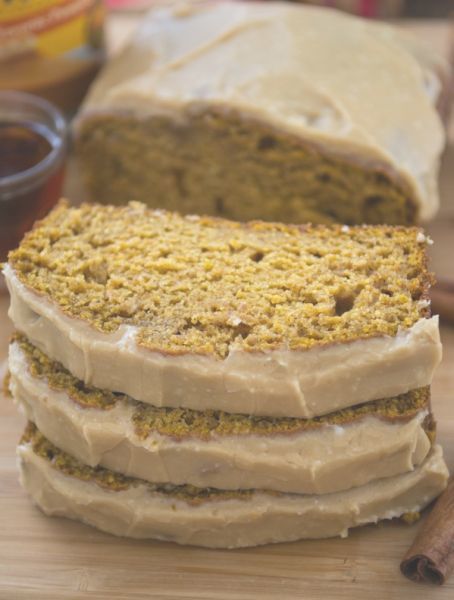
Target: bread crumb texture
(244, 170)
(208, 286)
(181, 423)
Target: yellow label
(49, 27)
(17, 9)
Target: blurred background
(366, 8)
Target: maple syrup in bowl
(32, 156)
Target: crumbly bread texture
(265, 173)
(204, 285)
(182, 423)
(199, 114)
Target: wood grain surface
(49, 558)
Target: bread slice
(62, 486)
(196, 312)
(201, 113)
(214, 449)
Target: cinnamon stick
(430, 558)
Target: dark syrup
(23, 146)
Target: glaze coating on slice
(213, 449)
(60, 486)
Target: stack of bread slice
(223, 384)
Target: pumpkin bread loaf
(267, 110)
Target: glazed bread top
(353, 88)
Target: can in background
(52, 48)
